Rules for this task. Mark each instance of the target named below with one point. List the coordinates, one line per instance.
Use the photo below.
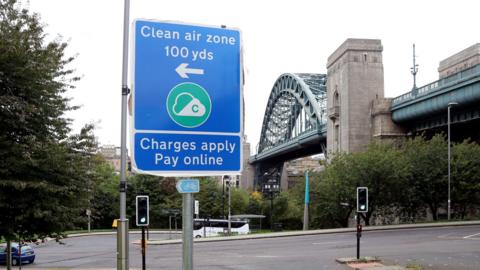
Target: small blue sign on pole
(187, 99)
(188, 186)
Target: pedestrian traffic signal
(362, 199)
(142, 209)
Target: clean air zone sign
(187, 99)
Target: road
(434, 248)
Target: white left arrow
(183, 70)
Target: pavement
(367, 263)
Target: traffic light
(362, 199)
(142, 210)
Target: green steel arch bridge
(294, 123)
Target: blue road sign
(188, 186)
(187, 99)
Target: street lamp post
(229, 207)
(271, 188)
(449, 155)
(223, 196)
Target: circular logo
(189, 105)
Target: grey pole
(187, 224)
(449, 154)
(122, 228)
(223, 196)
(89, 223)
(448, 124)
(414, 70)
(229, 206)
(169, 227)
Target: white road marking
(452, 236)
(468, 236)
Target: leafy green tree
(103, 195)
(465, 178)
(43, 188)
(239, 201)
(293, 217)
(104, 209)
(163, 197)
(427, 164)
(381, 168)
(333, 193)
(210, 199)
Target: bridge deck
(433, 98)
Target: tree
(163, 197)
(381, 168)
(239, 201)
(210, 199)
(104, 202)
(427, 163)
(42, 184)
(333, 193)
(465, 179)
(254, 203)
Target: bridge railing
(437, 85)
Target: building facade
(111, 153)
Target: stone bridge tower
(355, 81)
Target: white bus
(216, 227)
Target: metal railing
(437, 85)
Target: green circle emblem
(189, 105)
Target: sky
(278, 37)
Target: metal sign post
(187, 187)
(122, 228)
(187, 221)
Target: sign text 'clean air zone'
(186, 99)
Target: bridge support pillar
(355, 80)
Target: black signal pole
(359, 234)
(144, 246)
(19, 252)
(362, 207)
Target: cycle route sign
(186, 99)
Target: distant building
(460, 61)
(247, 176)
(245, 180)
(294, 170)
(112, 154)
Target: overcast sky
(278, 37)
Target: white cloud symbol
(193, 108)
